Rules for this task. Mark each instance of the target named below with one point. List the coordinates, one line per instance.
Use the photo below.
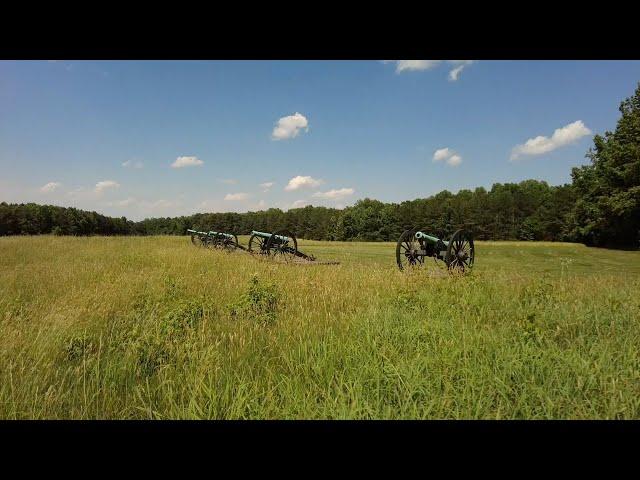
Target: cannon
(198, 238)
(414, 246)
(212, 239)
(281, 244)
(224, 241)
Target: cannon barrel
(429, 238)
(226, 235)
(268, 235)
(191, 231)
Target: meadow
(156, 328)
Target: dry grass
(157, 328)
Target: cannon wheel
(460, 252)
(407, 243)
(209, 241)
(229, 244)
(216, 242)
(257, 245)
(286, 252)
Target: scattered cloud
(127, 202)
(455, 72)
(266, 186)
(412, 65)
(76, 192)
(299, 204)
(454, 161)
(50, 187)
(160, 204)
(106, 185)
(182, 162)
(290, 126)
(302, 182)
(442, 154)
(449, 156)
(230, 197)
(417, 65)
(228, 181)
(335, 194)
(561, 137)
(132, 164)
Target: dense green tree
(607, 209)
(530, 210)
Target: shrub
(259, 303)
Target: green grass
(157, 328)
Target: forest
(601, 207)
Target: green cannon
(414, 246)
(279, 245)
(212, 239)
(198, 238)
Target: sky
(164, 138)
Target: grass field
(153, 327)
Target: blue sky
(108, 135)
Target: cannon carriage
(280, 245)
(212, 239)
(414, 246)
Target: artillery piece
(414, 246)
(281, 244)
(211, 239)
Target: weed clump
(185, 316)
(259, 303)
(78, 347)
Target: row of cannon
(278, 245)
(412, 249)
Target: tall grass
(157, 328)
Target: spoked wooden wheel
(460, 252)
(282, 250)
(229, 244)
(257, 245)
(210, 242)
(407, 250)
(216, 241)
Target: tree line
(529, 210)
(600, 207)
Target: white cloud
(182, 162)
(412, 65)
(461, 65)
(299, 204)
(302, 182)
(132, 164)
(290, 126)
(122, 203)
(106, 185)
(442, 154)
(76, 192)
(266, 186)
(450, 157)
(562, 136)
(236, 196)
(50, 187)
(261, 204)
(335, 194)
(161, 204)
(454, 160)
(416, 65)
